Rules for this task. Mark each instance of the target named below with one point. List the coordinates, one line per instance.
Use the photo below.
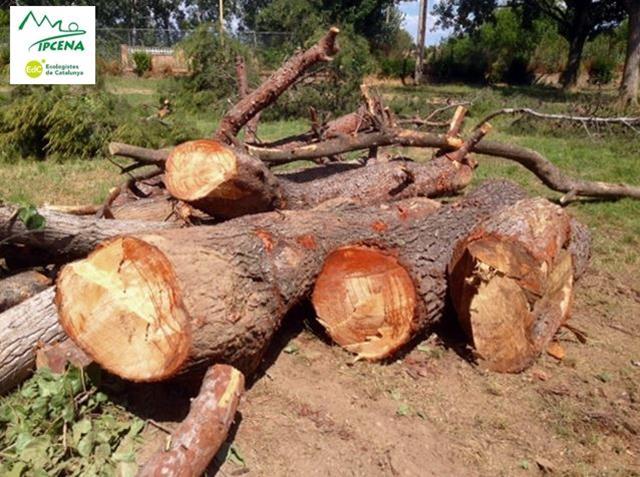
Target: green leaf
(79, 429)
(35, 451)
(127, 469)
(85, 446)
(17, 470)
(31, 218)
(403, 410)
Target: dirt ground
(432, 412)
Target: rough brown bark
(631, 74)
(511, 282)
(17, 288)
(197, 439)
(535, 162)
(273, 87)
(173, 317)
(66, 237)
(22, 328)
(211, 293)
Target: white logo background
(62, 61)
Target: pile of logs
(192, 266)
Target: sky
(410, 23)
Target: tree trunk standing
(631, 75)
(577, 37)
(422, 32)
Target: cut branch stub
(511, 283)
(220, 180)
(366, 301)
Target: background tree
(631, 74)
(577, 21)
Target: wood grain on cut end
(197, 169)
(511, 283)
(125, 296)
(366, 301)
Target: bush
(601, 70)
(63, 122)
(212, 77)
(397, 67)
(336, 88)
(142, 62)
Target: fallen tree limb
(273, 87)
(197, 439)
(66, 237)
(142, 155)
(173, 318)
(22, 328)
(17, 288)
(625, 121)
(535, 162)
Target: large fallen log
(511, 282)
(144, 307)
(225, 182)
(66, 237)
(511, 278)
(22, 328)
(197, 439)
(17, 288)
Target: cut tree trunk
(225, 182)
(197, 439)
(631, 75)
(511, 282)
(22, 328)
(220, 180)
(66, 237)
(150, 305)
(19, 287)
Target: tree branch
(277, 83)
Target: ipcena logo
(55, 42)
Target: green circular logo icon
(33, 69)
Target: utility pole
(422, 30)
(221, 17)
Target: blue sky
(410, 10)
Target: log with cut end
(22, 329)
(66, 237)
(17, 288)
(512, 282)
(197, 439)
(147, 306)
(225, 182)
(220, 180)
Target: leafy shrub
(396, 67)
(108, 67)
(336, 87)
(63, 122)
(212, 77)
(62, 425)
(602, 69)
(142, 62)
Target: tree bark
(577, 37)
(422, 29)
(66, 237)
(243, 89)
(197, 439)
(273, 87)
(57, 356)
(22, 328)
(17, 288)
(225, 182)
(511, 282)
(144, 307)
(631, 74)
